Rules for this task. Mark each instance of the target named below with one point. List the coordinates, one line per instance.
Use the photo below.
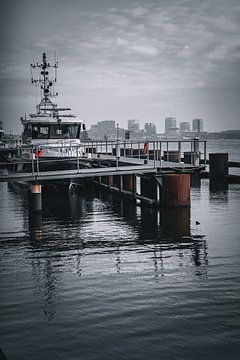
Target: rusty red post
(175, 190)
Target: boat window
(43, 132)
(73, 130)
(58, 131)
(40, 132)
(78, 131)
(64, 131)
(27, 132)
(1, 134)
(35, 132)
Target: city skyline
(108, 128)
(125, 60)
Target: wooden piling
(36, 197)
(175, 190)
(148, 186)
(192, 157)
(218, 165)
(172, 156)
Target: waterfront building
(106, 128)
(103, 130)
(171, 129)
(133, 127)
(150, 129)
(184, 126)
(172, 132)
(170, 123)
(197, 125)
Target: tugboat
(50, 131)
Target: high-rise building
(103, 130)
(171, 129)
(170, 123)
(133, 128)
(150, 129)
(197, 125)
(133, 125)
(184, 126)
(106, 129)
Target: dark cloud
(117, 60)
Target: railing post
(32, 160)
(154, 154)
(77, 159)
(180, 150)
(196, 145)
(160, 153)
(117, 153)
(205, 153)
(37, 158)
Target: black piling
(218, 166)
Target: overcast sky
(125, 59)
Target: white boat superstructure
(50, 129)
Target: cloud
(138, 11)
(185, 41)
(143, 49)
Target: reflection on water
(131, 235)
(175, 223)
(35, 227)
(217, 185)
(195, 181)
(95, 276)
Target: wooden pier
(147, 173)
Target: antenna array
(44, 80)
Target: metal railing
(158, 151)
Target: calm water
(96, 277)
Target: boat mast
(45, 82)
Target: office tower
(133, 125)
(197, 125)
(184, 126)
(170, 123)
(150, 129)
(106, 129)
(103, 130)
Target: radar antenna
(44, 80)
